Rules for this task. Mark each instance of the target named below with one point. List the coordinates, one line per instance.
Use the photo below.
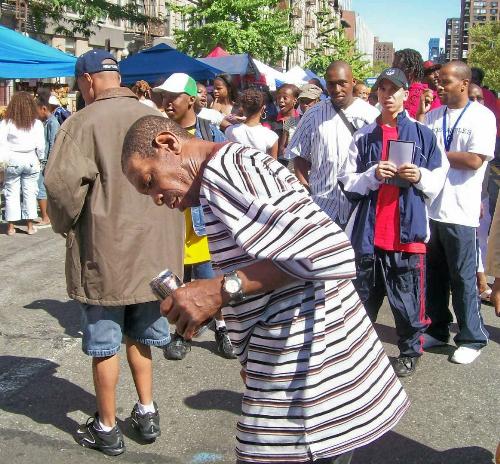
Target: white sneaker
(465, 355)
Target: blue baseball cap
(91, 62)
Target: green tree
(485, 51)
(378, 67)
(87, 14)
(258, 27)
(333, 45)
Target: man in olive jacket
(116, 241)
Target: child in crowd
(286, 99)
(252, 133)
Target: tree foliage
(334, 45)
(485, 52)
(84, 15)
(378, 67)
(258, 27)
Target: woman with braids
(411, 63)
(22, 143)
(225, 93)
(143, 91)
(252, 133)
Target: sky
(407, 23)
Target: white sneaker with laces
(465, 355)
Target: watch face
(232, 286)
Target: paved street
(46, 386)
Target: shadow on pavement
(67, 313)
(386, 334)
(224, 400)
(29, 387)
(394, 448)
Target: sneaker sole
(144, 436)
(107, 451)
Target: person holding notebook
(394, 170)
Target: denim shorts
(42, 193)
(104, 326)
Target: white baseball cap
(53, 100)
(178, 83)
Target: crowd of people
(289, 217)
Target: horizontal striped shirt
(323, 139)
(318, 381)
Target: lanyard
(448, 138)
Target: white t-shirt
(323, 139)
(213, 116)
(258, 137)
(460, 200)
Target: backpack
(61, 114)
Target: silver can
(164, 284)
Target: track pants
(400, 276)
(452, 265)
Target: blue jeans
(104, 326)
(198, 271)
(452, 264)
(42, 193)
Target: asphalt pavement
(46, 385)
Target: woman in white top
(22, 144)
(252, 133)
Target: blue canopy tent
(25, 58)
(159, 62)
(233, 64)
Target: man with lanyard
(467, 131)
(179, 97)
(320, 144)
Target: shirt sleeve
(282, 225)
(53, 127)
(483, 135)
(39, 136)
(357, 183)
(68, 177)
(300, 143)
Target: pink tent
(217, 52)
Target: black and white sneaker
(147, 425)
(110, 443)
(404, 366)
(224, 345)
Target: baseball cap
(395, 75)
(310, 91)
(430, 65)
(53, 100)
(91, 62)
(178, 83)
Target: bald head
(459, 69)
(140, 138)
(339, 65)
(340, 83)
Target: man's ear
(407, 94)
(168, 140)
(465, 85)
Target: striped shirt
(318, 381)
(323, 139)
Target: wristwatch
(233, 286)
